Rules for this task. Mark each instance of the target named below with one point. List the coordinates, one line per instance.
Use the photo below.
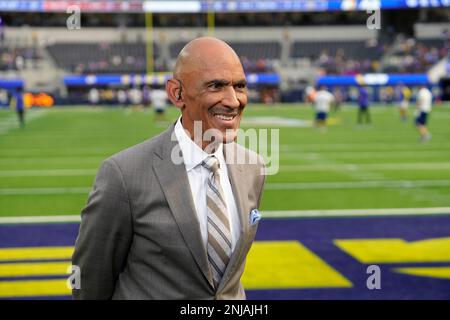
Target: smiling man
(157, 228)
(215, 87)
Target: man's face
(215, 93)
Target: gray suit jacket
(139, 236)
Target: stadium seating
(352, 49)
(273, 51)
(101, 58)
(17, 58)
(256, 56)
(340, 57)
(130, 57)
(417, 56)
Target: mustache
(226, 111)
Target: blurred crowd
(417, 57)
(342, 65)
(258, 66)
(414, 56)
(17, 58)
(106, 60)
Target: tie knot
(212, 164)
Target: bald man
(175, 216)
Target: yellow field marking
(11, 289)
(33, 269)
(35, 253)
(288, 264)
(433, 272)
(334, 121)
(396, 250)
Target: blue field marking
(38, 235)
(319, 236)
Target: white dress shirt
(193, 157)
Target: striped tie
(219, 234)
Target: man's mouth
(224, 117)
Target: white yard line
(357, 184)
(411, 184)
(46, 173)
(382, 154)
(368, 166)
(51, 160)
(308, 167)
(40, 219)
(265, 214)
(350, 147)
(356, 212)
(354, 172)
(41, 191)
(12, 122)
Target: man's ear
(174, 92)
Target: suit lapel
(175, 185)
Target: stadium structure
(298, 43)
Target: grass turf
(48, 167)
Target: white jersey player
(424, 103)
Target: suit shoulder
(141, 152)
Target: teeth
(222, 117)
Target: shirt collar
(193, 155)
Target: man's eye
(216, 85)
(240, 86)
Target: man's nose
(230, 98)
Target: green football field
(48, 167)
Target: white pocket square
(255, 216)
